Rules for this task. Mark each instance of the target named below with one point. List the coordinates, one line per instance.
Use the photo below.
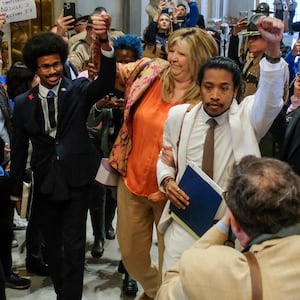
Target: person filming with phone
(263, 199)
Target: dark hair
(100, 9)
(225, 63)
(215, 34)
(130, 42)
(181, 4)
(18, 79)
(44, 44)
(263, 195)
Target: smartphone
(111, 95)
(170, 4)
(243, 14)
(69, 9)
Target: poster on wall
(18, 10)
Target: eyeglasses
(46, 67)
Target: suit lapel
(34, 108)
(4, 106)
(185, 136)
(63, 92)
(237, 134)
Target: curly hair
(129, 42)
(43, 44)
(263, 195)
(229, 65)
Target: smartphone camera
(243, 14)
(69, 9)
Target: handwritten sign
(18, 10)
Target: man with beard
(64, 162)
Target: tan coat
(80, 54)
(251, 73)
(211, 271)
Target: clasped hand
(176, 195)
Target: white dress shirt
(43, 91)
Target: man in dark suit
(64, 162)
(201, 22)
(291, 146)
(8, 278)
(291, 141)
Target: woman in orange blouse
(151, 88)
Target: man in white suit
(238, 131)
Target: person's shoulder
(159, 62)
(78, 45)
(295, 117)
(76, 37)
(193, 3)
(75, 82)
(28, 95)
(179, 110)
(202, 271)
(73, 86)
(216, 257)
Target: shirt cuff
(97, 109)
(14, 198)
(108, 54)
(224, 228)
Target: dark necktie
(208, 149)
(51, 109)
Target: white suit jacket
(249, 121)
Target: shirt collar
(43, 91)
(284, 232)
(221, 119)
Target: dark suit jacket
(6, 110)
(7, 115)
(201, 22)
(291, 145)
(69, 158)
(2, 144)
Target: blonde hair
(198, 46)
(170, 20)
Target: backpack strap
(255, 274)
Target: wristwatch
(272, 60)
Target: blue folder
(205, 199)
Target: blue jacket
(192, 17)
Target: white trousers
(177, 240)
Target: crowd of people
(102, 96)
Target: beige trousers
(136, 216)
